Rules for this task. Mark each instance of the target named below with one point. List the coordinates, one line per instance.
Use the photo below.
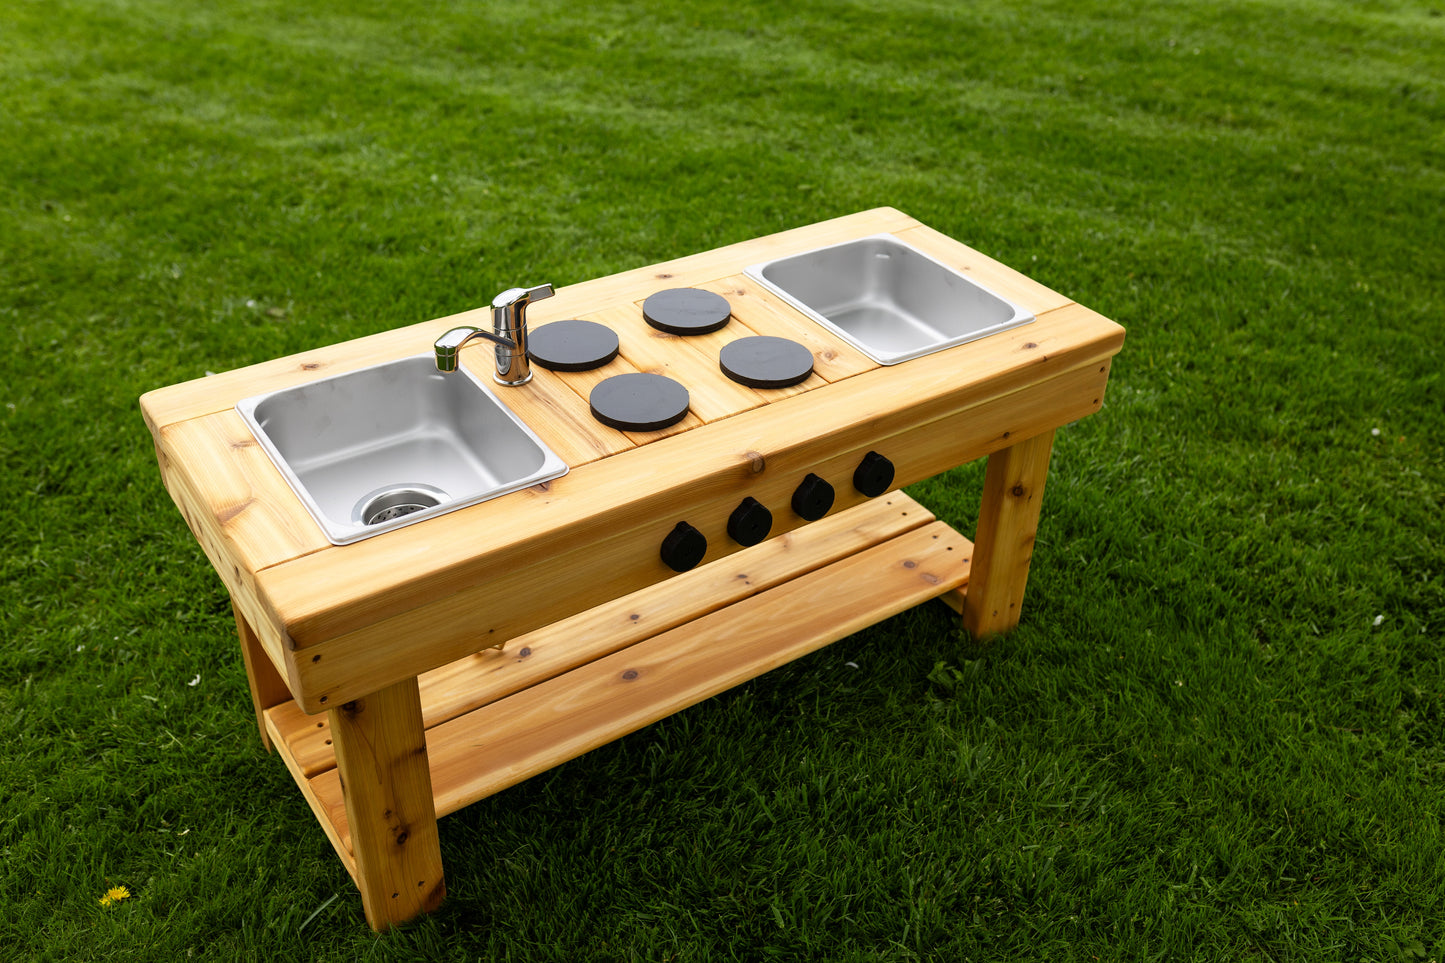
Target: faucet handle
(513, 297)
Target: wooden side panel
(244, 494)
(502, 603)
(237, 517)
(1013, 492)
(242, 538)
(321, 597)
(381, 759)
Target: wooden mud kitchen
(714, 501)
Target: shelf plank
(501, 744)
(267, 687)
(476, 680)
(505, 742)
(333, 820)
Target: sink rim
(1021, 315)
(346, 532)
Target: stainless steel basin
(887, 298)
(393, 444)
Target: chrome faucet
(509, 334)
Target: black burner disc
(764, 362)
(686, 311)
(572, 345)
(639, 402)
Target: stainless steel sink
(887, 298)
(394, 444)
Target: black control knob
(813, 498)
(874, 475)
(683, 547)
(750, 522)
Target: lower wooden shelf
(503, 715)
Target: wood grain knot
(1030, 345)
(910, 563)
(524, 652)
(310, 365)
(226, 514)
(1017, 491)
(629, 675)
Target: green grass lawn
(1217, 734)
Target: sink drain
(392, 503)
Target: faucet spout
(509, 334)
(450, 343)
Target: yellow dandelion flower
(114, 895)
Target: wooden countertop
(564, 546)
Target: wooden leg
(1008, 520)
(381, 756)
(267, 687)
